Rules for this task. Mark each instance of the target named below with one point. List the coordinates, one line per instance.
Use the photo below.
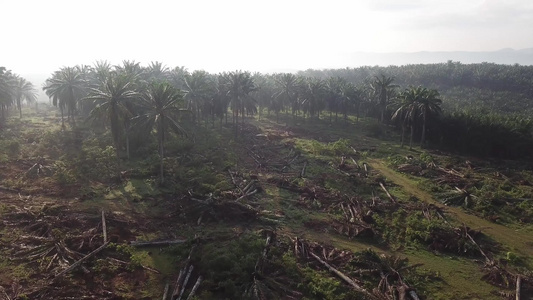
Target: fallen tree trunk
(165, 293)
(244, 196)
(451, 172)
(185, 281)
(142, 266)
(234, 182)
(86, 257)
(157, 243)
(355, 163)
(181, 276)
(195, 287)
(518, 286)
(414, 295)
(302, 174)
(248, 186)
(346, 279)
(104, 227)
(488, 260)
(387, 192)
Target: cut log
(195, 287)
(302, 174)
(293, 159)
(355, 163)
(341, 275)
(366, 169)
(387, 192)
(234, 182)
(185, 281)
(157, 243)
(104, 227)
(518, 286)
(179, 281)
(165, 293)
(142, 266)
(488, 260)
(248, 186)
(76, 264)
(413, 295)
(451, 172)
(244, 196)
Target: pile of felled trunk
(384, 271)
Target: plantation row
(457, 121)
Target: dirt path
(512, 239)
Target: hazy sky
(41, 36)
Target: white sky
(40, 36)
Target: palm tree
(24, 91)
(238, 86)
(111, 105)
(334, 89)
(428, 104)
(383, 88)
(287, 85)
(65, 88)
(313, 99)
(160, 105)
(199, 91)
(351, 98)
(406, 108)
(156, 71)
(7, 87)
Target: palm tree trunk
(62, 118)
(403, 134)
(422, 139)
(411, 139)
(161, 134)
(19, 107)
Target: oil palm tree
(406, 107)
(199, 90)
(65, 88)
(23, 91)
(383, 88)
(428, 104)
(160, 106)
(111, 105)
(313, 98)
(334, 89)
(288, 86)
(7, 87)
(238, 86)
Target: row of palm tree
(209, 96)
(14, 91)
(127, 95)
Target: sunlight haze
(251, 35)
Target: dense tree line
(408, 97)
(472, 121)
(494, 87)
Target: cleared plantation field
(281, 210)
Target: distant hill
(504, 56)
